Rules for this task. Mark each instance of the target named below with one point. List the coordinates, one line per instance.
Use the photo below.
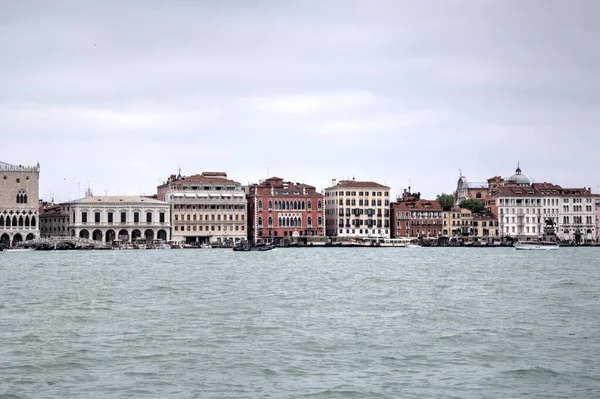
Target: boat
(535, 245)
(205, 246)
(19, 249)
(257, 247)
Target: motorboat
(535, 245)
(257, 247)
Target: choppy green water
(293, 323)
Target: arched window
(26, 221)
(319, 206)
(270, 204)
(287, 204)
(259, 221)
(309, 205)
(302, 205)
(260, 205)
(20, 221)
(279, 221)
(33, 221)
(21, 197)
(287, 221)
(320, 221)
(478, 195)
(309, 221)
(270, 221)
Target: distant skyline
(122, 94)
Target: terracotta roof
(357, 184)
(204, 179)
(540, 190)
(421, 205)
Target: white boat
(205, 246)
(413, 246)
(19, 249)
(535, 245)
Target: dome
(518, 178)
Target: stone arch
(97, 235)
(135, 234)
(26, 221)
(123, 235)
(161, 235)
(1, 221)
(20, 221)
(5, 240)
(149, 234)
(110, 235)
(14, 221)
(17, 238)
(84, 234)
(30, 237)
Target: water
(301, 323)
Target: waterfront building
(484, 227)
(597, 200)
(414, 217)
(124, 218)
(280, 210)
(54, 220)
(357, 209)
(524, 210)
(19, 203)
(460, 222)
(206, 209)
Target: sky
(119, 95)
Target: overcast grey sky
(122, 93)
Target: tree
(445, 200)
(474, 205)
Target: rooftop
(357, 184)
(115, 199)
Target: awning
(178, 195)
(190, 195)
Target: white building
(523, 210)
(357, 209)
(206, 208)
(125, 218)
(19, 202)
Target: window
(136, 217)
(110, 217)
(162, 217)
(97, 217)
(148, 217)
(83, 217)
(260, 221)
(260, 205)
(123, 217)
(21, 197)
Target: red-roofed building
(357, 209)
(206, 209)
(414, 217)
(280, 210)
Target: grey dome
(519, 179)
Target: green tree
(445, 200)
(474, 205)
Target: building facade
(357, 209)
(412, 217)
(280, 210)
(54, 220)
(123, 218)
(524, 210)
(206, 209)
(19, 203)
(597, 198)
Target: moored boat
(535, 245)
(257, 247)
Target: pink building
(597, 221)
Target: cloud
(122, 94)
